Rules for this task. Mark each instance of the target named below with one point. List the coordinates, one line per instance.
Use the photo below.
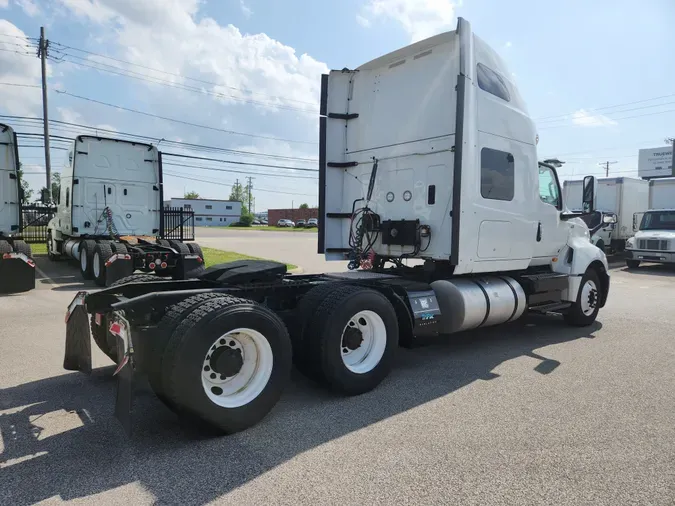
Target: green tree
(304, 206)
(239, 193)
(56, 187)
(191, 195)
(27, 192)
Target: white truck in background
(622, 196)
(427, 153)
(17, 268)
(654, 240)
(662, 193)
(110, 217)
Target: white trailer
(17, 268)
(426, 153)
(110, 217)
(622, 196)
(662, 193)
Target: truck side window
(548, 187)
(490, 81)
(496, 174)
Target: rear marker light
(163, 265)
(152, 265)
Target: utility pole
(606, 165)
(42, 54)
(671, 141)
(250, 185)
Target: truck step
(553, 307)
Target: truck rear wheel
(585, 310)
(5, 247)
(351, 339)
(171, 319)
(22, 247)
(87, 258)
(227, 363)
(102, 252)
(180, 247)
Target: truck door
(551, 234)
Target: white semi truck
(110, 217)
(427, 153)
(654, 241)
(623, 196)
(17, 268)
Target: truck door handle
(539, 232)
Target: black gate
(34, 220)
(178, 223)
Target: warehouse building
(210, 212)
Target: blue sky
(591, 74)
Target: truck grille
(653, 244)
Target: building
(291, 214)
(209, 212)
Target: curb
(297, 270)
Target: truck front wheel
(632, 264)
(351, 339)
(585, 310)
(102, 252)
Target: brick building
(275, 215)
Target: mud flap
(117, 267)
(124, 400)
(78, 341)
(17, 273)
(188, 267)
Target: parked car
(285, 223)
(256, 222)
(300, 224)
(312, 222)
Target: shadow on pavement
(61, 276)
(65, 441)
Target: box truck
(426, 153)
(662, 193)
(623, 196)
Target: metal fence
(178, 223)
(34, 220)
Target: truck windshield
(658, 220)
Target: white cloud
(420, 18)
(587, 119)
(18, 66)
(364, 22)
(29, 7)
(174, 37)
(4, 4)
(245, 9)
(508, 44)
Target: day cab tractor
(430, 191)
(110, 218)
(17, 268)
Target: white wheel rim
(255, 359)
(364, 340)
(589, 298)
(97, 265)
(83, 260)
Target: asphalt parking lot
(530, 413)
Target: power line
(174, 120)
(612, 112)
(181, 176)
(173, 74)
(613, 119)
(68, 126)
(239, 163)
(21, 85)
(234, 171)
(607, 107)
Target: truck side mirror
(589, 194)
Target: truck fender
(579, 255)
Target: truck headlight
(630, 243)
